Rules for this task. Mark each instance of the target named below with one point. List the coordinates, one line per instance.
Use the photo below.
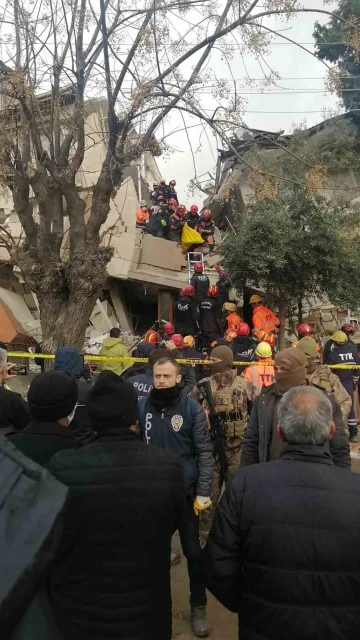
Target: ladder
(198, 258)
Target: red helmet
(194, 208)
(188, 291)
(213, 291)
(172, 202)
(172, 183)
(181, 210)
(160, 198)
(206, 214)
(243, 329)
(348, 328)
(198, 267)
(178, 340)
(151, 336)
(169, 328)
(304, 330)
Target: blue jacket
(183, 429)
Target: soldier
(229, 394)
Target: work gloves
(201, 503)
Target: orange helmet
(213, 291)
(151, 336)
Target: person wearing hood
(52, 399)
(229, 395)
(261, 441)
(169, 419)
(114, 347)
(142, 350)
(321, 376)
(69, 360)
(344, 352)
(126, 500)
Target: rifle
(217, 429)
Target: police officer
(229, 394)
(200, 282)
(343, 351)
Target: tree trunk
(300, 309)
(282, 318)
(64, 324)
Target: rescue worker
(192, 219)
(321, 376)
(175, 349)
(142, 215)
(349, 329)
(172, 192)
(259, 376)
(229, 395)
(304, 330)
(176, 224)
(158, 223)
(232, 319)
(230, 335)
(223, 285)
(264, 321)
(167, 330)
(186, 314)
(190, 353)
(344, 351)
(161, 190)
(200, 282)
(152, 336)
(210, 317)
(169, 419)
(243, 346)
(206, 228)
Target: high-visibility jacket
(233, 321)
(264, 321)
(142, 217)
(259, 376)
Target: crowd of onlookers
(166, 217)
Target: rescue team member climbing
(264, 320)
(170, 420)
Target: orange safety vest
(142, 216)
(260, 375)
(264, 320)
(234, 321)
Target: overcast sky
(273, 108)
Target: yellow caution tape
(93, 358)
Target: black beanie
(52, 395)
(112, 402)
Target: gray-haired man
(284, 550)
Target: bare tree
(150, 57)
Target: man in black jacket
(52, 399)
(171, 420)
(344, 351)
(284, 551)
(126, 500)
(186, 313)
(211, 323)
(14, 412)
(261, 441)
(200, 282)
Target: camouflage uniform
(325, 379)
(230, 399)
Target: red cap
(178, 340)
(213, 291)
(244, 329)
(169, 328)
(188, 291)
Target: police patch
(177, 422)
